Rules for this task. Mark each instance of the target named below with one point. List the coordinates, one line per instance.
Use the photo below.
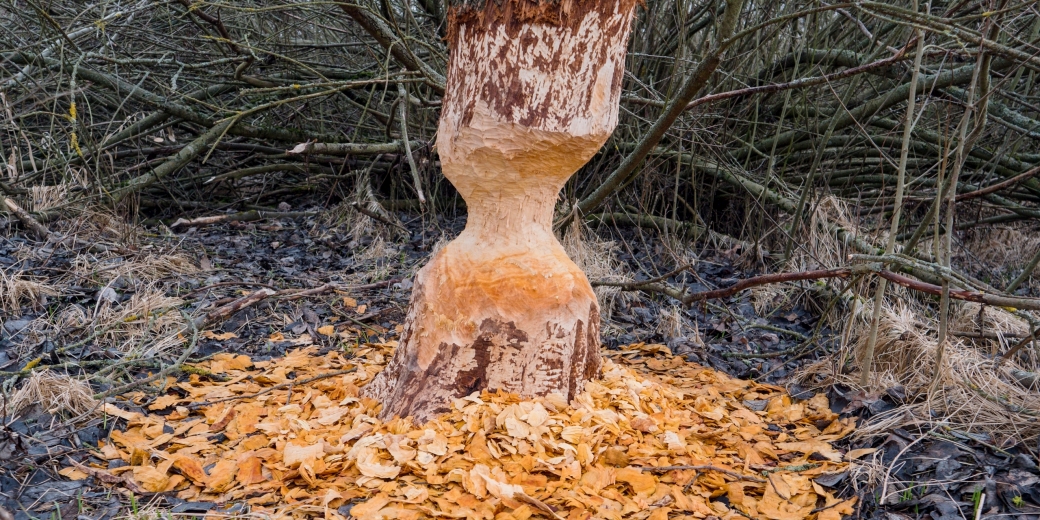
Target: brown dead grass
(56, 393)
(970, 393)
(767, 299)
(598, 258)
(144, 268)
(145, 325)
(43, 198)
(1009, 245)
(18, 288)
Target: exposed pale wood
(532, 93)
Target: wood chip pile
(656, 438)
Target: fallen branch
(747, 283)
(688, 229)
(174, 163)
(376, 27)
(295, 294)
(1026, 273)
(12, 190)
(353, 148)
(637, 284)
(243, 216)
(374, 285)
(1031, 304)
(999, 186)
(223, 312)
(226, 284)
(26, 219)
(778, 87)
(406, 148)
(1011, 352)
(842, 272)
(766, 280)
(361, 208)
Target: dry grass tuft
(818, 247)
(822, 249)
(374, 261)
(767, 299)
(17, 289)
(145, 325)
(972, 394)
(598, 259)
(670, 323)
(144, 269)
(1010, 246)
(97, 225)
(56, 393)
(372, 241)
(43, 198)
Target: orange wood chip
(306, 451)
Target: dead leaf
(222, 475)
(369, 464)
(190, 467)
(150, 478)
(249, 470)
(644, 484)
(294, 455)
(855, 454)
(835, 512)
(615, 457)
(301, 451)
(220, 336)
(811, 446)
(164, 401)
(112, 409)
(73, 473)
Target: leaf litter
(655, 438)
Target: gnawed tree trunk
(532, 93)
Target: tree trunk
(532, 93)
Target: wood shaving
(315, 449)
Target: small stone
(15, 326)
(108, 294)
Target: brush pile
(656, 438)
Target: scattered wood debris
(656, 438)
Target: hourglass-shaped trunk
(532, 93)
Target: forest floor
(118, 303)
